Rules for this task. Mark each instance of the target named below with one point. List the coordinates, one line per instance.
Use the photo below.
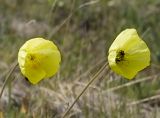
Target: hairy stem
(85, 88)
(7, 78)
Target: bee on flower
(128, 54)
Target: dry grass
(83, 31)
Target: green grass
(83, 40)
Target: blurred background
(83, 30)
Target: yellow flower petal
(128, 54)
(33, 75)
(47, 62)
(38, 59)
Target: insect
(120, 56)
(26, 79)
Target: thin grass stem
(144, 100)
(131, 83)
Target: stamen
(120, 56)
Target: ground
(83, 30)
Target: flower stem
(85, 88)
(7, 78)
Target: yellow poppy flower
(38, 59)
(128, 54)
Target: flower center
(31, 57)
(119, 56)
(32, 61)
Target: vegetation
(83, 30)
